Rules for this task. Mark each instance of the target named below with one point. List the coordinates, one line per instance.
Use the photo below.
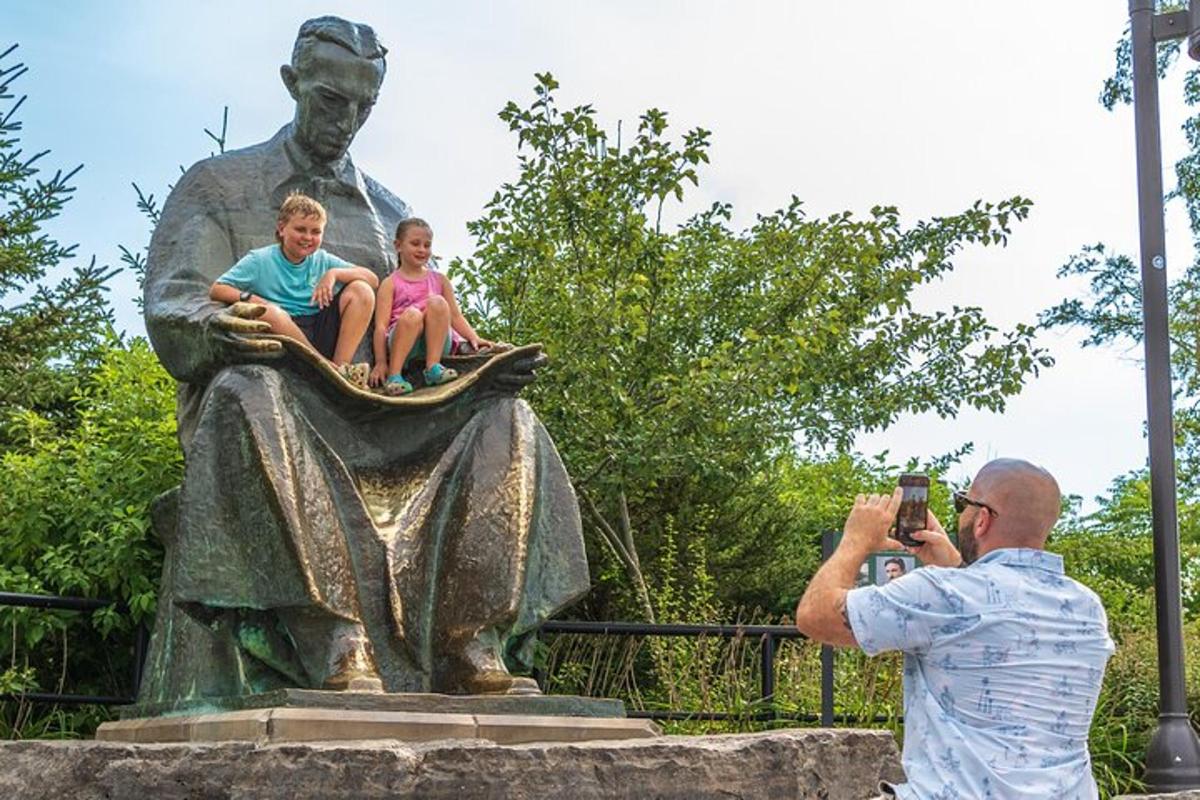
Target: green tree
(87, 440)
(689, 359)
(48, 330)
(75, 520)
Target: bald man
(1003, 657)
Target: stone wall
(781, 765)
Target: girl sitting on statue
(416, 315)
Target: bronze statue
(324, 537)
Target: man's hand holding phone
(866, 528)
(935, 549)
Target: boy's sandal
(396, 386)
(355, 374)
(437, 375)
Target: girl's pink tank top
(407, 293)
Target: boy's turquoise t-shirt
(267, 272)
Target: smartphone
(913, 508)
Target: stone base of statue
(841, 764)
(301, 715)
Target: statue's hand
(515, 375)
(236, 331)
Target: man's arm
(821, 614)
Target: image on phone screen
(913, 504)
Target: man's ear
(982, 523)
(290, 80)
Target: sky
(927, 106)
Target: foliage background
(710, 380)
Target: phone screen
(912, 514)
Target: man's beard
(968, 548)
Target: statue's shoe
(353, 666)
(497, 681)
(478, 668)
(354, 682)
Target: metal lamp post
(1173, 759)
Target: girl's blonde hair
(298, 204)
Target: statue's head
(336, 71)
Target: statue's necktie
(323, 188)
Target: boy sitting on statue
(310, 295)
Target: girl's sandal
(355, 374)
(396, 386)
(438, 374)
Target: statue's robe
(428, 525)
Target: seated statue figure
(325, 537)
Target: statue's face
(335, 91)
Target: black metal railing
(768, 635)
(140, 641)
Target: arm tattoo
(845, 612)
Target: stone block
(522, 729)
(306, 724)
(838, 764)
(316, 725)
(542, 705)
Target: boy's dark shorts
(322, 328)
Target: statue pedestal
(297, 715)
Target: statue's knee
(503, 409)
(242, 382)
(164, 516)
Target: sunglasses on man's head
(961, 501)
